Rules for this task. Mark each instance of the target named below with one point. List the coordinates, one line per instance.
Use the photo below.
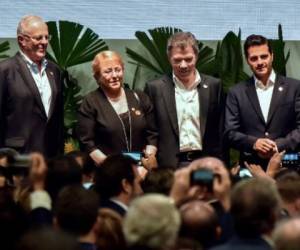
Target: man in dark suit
(187, 105)
(118, 182)
(263, 113)
(31, 108)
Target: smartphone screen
(134, 155)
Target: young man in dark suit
(31, 105)
(188, 106)
(263, 113)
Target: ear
(21, 41)
(126, 186)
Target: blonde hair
(101, 56)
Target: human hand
(275, 163)
(256, 170)
(97, 156)
(265, 147)
(149, 162)
(235, 169)
(38, 171)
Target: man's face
(111, 74)
(34, 41)
(260, 61)
(183, 62)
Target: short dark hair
(76, 209)
(108, 177)
(256, 40)
(254, 204)
(182, 40)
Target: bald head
(199, 222)
(286, 236)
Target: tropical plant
(72, 44)
(156, 46)
(4, 46)
(280, 59)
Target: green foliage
(156, 46)
(280, 59)
(4, 47)
(72, 44)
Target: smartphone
(134, 155)
(245, 173)
(291, 159)
(202, 177)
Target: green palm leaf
(73, 44)
(156, 46)
(4, 47)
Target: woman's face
(111, 74)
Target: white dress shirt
(264, 93)
(188, 114)
(41, 80)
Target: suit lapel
(168, 92)
(276, 99)
(52, 82)
(253, 98)
(203, 93)
(29, 81)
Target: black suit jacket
(24, 125)
(162, 93)
(237, 243)
(244, 122)
(99, 125)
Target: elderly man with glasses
(31, 106)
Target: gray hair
(152, 221)
(25, 21)
(182, 40)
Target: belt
(189, 155)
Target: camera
(291, 160)
(202, 177)
(16, 164)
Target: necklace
(118, 104)
(127, 140)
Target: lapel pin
(205, 86)
(137, 112)
(51, 73)
(133, 109)
(280, 88)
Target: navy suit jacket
(162, 93)
(244, 122)
(24, 124)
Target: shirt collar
(270, 82)
(32, 64)
(121, 204)
(180, 85)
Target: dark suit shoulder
(288, 80)
(8, 63)
(210, 79)
(160, 80)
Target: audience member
(118, 182)
(286, 235)
(152, 222)
(199, 222)
(255, 206)
(76, 212)
(110, 234)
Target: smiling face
(260, 61)
(33, 40)
(183, 61)
(109, 72)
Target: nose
(114, 73)
(183, 64)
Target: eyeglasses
(38, 38)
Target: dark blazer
(162, 93)
(244, 244)
(24, 125)
(113, 206)
(244, 122)
(99, 125)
